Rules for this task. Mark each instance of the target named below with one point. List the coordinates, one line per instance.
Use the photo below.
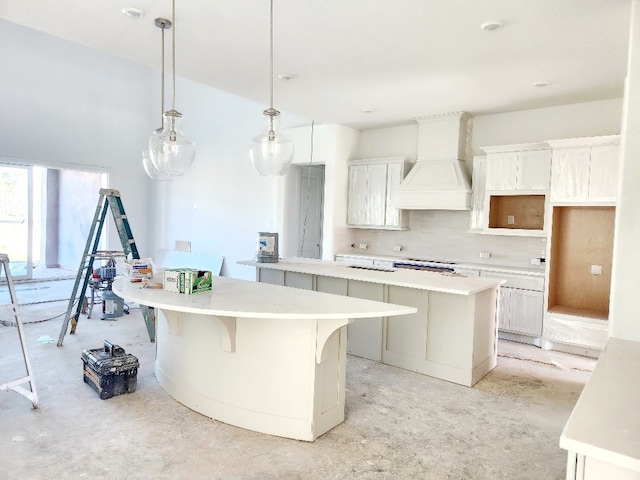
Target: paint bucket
(267, 247)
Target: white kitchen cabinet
(518, 167)
(298, 280)
(585, 170)
(371, 183)
(521, 303)
(266, 275)
(364, 335)
(478, 181)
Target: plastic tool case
(109, 370)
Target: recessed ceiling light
(540, 84)
(133, 12)
(286, 76)
(491, 25)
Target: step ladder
(15, 385)
(109, 200)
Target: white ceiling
(401, 58)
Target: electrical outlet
(363, 246)
(511, 219)
(535, 261)
(485, 255)
(596, 269)
(397, 248)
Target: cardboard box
(173, 280)
(187, 280)
(137, 270)
(197, 281)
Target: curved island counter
(263, 357)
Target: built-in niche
(521, 212)
(580, 261)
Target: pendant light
(171, 152)
(271, 153)
(148, 165)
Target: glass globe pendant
(171, 152)
(271, 153)
(152, 171)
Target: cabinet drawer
(523, 282)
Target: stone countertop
(604, 422)
(241, 298)
(531, 271)
(423, 280)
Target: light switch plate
(596, 269)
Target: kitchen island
(261, 357)
(451, 336)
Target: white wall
(624, 307)
(68, 106)
(442, 235)
(221, 203)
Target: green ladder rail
(16, 385)
(109, 200)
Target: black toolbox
(109, 370)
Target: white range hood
(439, 179)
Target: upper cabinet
(510, 188)
(518, 167)
(371, 182)
(585, 170)
(478, 180)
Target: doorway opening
(45, 216)
(310, 213)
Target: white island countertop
(423, 280)
(230, 297)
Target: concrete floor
(399, 424)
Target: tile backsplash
(444, 235)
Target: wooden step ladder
(109, 200)
(16, 385)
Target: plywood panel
(527, 211)
(582, 237)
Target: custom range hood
(439, 179)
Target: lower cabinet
(364, 335)
(521, 304)
(298, 280)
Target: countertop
(240, 298)
(424, 280)
(531, 271)
(605, 423)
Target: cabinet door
(534, 170)
(395, 174)
(504, 308)
(267, 275)
(570, 175)
(377, 201)
(298, 280)
(502, 171)
(364, 335)
(477, 196)
(357, 212)
(603, 173)
(526, 312)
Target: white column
(625, 286)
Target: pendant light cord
(162, 80)
(173, 57)
(270, 56)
